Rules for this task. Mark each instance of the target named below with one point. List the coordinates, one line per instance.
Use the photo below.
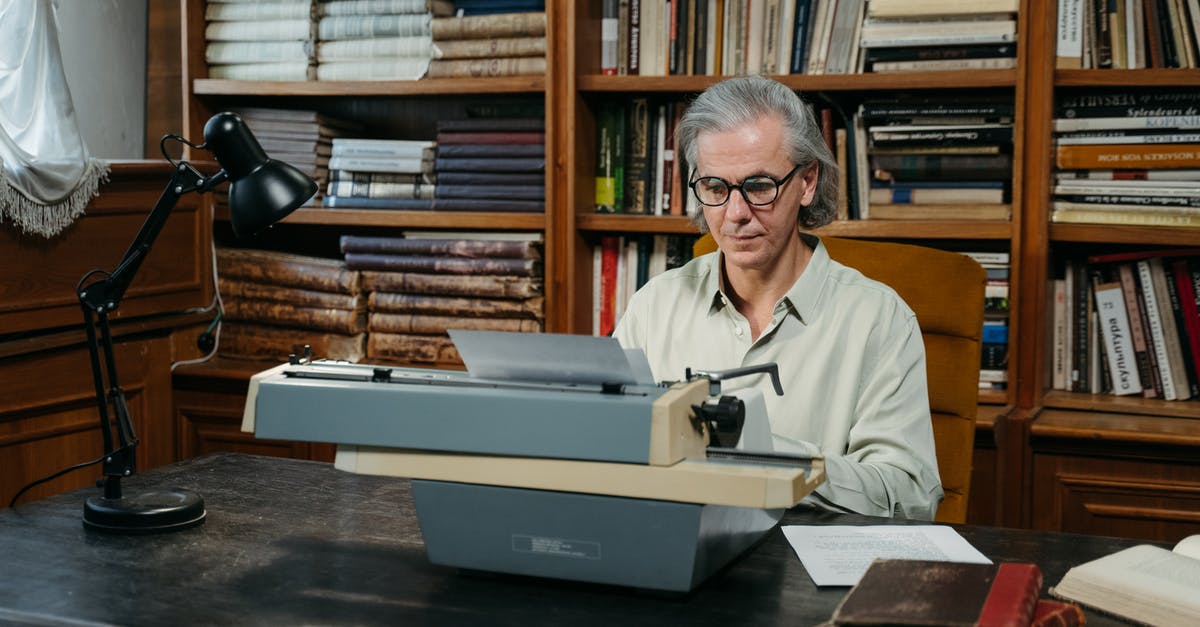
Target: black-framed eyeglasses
(756, 190)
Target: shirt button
(738, 331)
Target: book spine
(258, 30)
(233, 12)
(478, 68)
(380, 190)
(435, 325)
(324, 319)
(498, 164)
(1157, 331)
(490, 26)
(248, 340)
(383, 302)
(1012, 596)
(609, 26)
(1116, 332)
(373, 7)
(491, 137)
(367, 26)
(276, 293)
(461, 248)
(232, 52)
(479, 285)
(1181, 324)
(1138, 331)
(639, 187)
(408, 348)
(447, 265)
(377, 69)
(491, 192)
(488, 48)
(325, 275)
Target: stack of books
(497, 44)
(622, 264)
(1127, 35)
(424, 284)
(381, 174)
(375, 40)
(637, 170)
(491, 164)
(933, 35)
(300, 137)
(259, 41)
(276, 303)
(1128, 324)
(1128, 157)
(934, 159)
(993, 358)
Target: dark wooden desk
(291, 542)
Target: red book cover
(1182, 274)
(1051, 613)
(609, 249)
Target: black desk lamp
(261, 192)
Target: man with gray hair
(849, 350)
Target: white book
(1118, 190)
(377, 69)
(1175, 344)
(787, 35)
(1058, 362)
(289, 10)
(382, 7)
(1163, 122)
(368, 48)
(294, 71)
(1069, 372)
(1069, 45)
(1129, 208)
(356, 26)
(1157, 138)
(597, 292)
(1144, 584)
(254, 30)
(938, 8)
(890, 33)
(368, 164)
(989, 257)
(1130, 176)
(942, 65)
(1158, 338)
(404, 148)
(755, 41)
(227, 52)
(1117, 334)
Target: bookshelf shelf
(1149, 235)
(1122, 404)
(412, 219)
(1110, 423)
(343, 89)
(1128, 78)
(803, 82)
(883, 229)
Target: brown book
(430, 349)
(1108, 156)
(431, 325)
(466, 248)
(922, 592)
(384, 302)
(246, 340)
(235, 288)
(443, 265)
(480, 285)
(287, 269)
(489, 26)
(282, 314)
(479, 68)
(488, 48)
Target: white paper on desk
(838, 555)
(543, 357)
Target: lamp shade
(262, 191)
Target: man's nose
(736, 208)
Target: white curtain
(48, 176)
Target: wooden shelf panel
(1116, 427)
(1120, 234)
(908, 229)
(1128, 78)
(808, 82)
(1099, 403)
(342, 89)
(412, 219)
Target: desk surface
(290, 542)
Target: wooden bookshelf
(1022, 428)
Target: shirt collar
(803, 296)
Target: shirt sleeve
(889, 467)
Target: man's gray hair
(744, 99)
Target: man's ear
(810, 175)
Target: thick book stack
(1128, 157)
(421, 286)
(491, 164)
(376, 40)
(637, 170)
(734, 37)
(1128, 324)
(260, 41)
(1127, 34)
(931, 35)
(300, 137)
(993, 364)
(381, 174)
(622, 264)
(502, 43)
(933, 159)
(276, 303)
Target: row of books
(1128, 324)
(993, 364)
(730, 37)
(337, 40)
(1127, 157)
(933, 158)
(389, 299)
(621, 264)
(473, 164)
(1127, 34)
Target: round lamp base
(149, 512)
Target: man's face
(753, 237)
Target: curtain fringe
(48, 220)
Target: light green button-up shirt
(851, 361)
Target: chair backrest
(946, 291)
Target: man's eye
(712, 185)
(758, 185)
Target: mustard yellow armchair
(946, 291)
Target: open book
(1144, 583)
